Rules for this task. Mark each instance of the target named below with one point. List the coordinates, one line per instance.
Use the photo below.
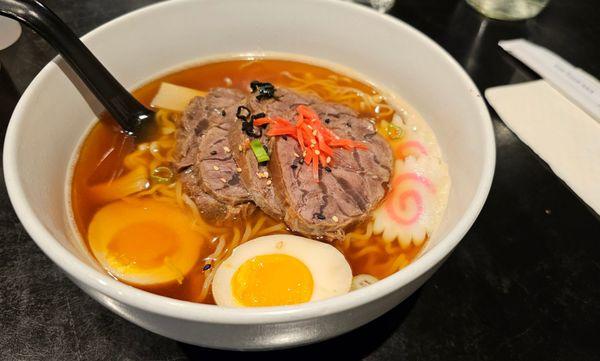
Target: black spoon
(133, 117)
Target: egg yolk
(272, 280)
(144, 241)
(143, 244)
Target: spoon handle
(126, 110)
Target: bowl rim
(164, 306)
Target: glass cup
(509, 9)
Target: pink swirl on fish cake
(411, 147)
(398, 201)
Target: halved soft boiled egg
(281, 270)
(144, 242)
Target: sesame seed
(314, 132)
(317, 152)
(335, 219)
(223, 180)
(312, 145)
(226, 149)
(266, 174)
(296, 155)
(240, 148)
(309, 127)
(239, 170)
(215, 167)
(269, 182)
(313, 141)
(304, 154)
(328, 160)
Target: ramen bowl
(55, 113)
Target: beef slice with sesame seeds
(207, 169)
(348, 190)
(255, 176)
(225, 181)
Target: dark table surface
(524, 284)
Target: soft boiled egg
(144, 242)
(281, 270)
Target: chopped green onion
(394, 131)
(162, 175)
(259, 152)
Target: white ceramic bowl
(52, 117)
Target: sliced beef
(347, 192)
(210, 208)
(205, 161)
(343, 197)
(255, 177)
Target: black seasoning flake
(328, 169)
(243, 113)
(284, 137)
(258, 116)
(293, 166)
(266, 148)
(249, 130)
(319, 216)
(214, 152)
(349, 125)
(263, 164)
(223, 113)
(327, 121)
(263, 90)
(253, 134)
(254, 85)
(206, 267)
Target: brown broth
(101, 156)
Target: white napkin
(562, 134)
(574, 83)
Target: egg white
(330, 271)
